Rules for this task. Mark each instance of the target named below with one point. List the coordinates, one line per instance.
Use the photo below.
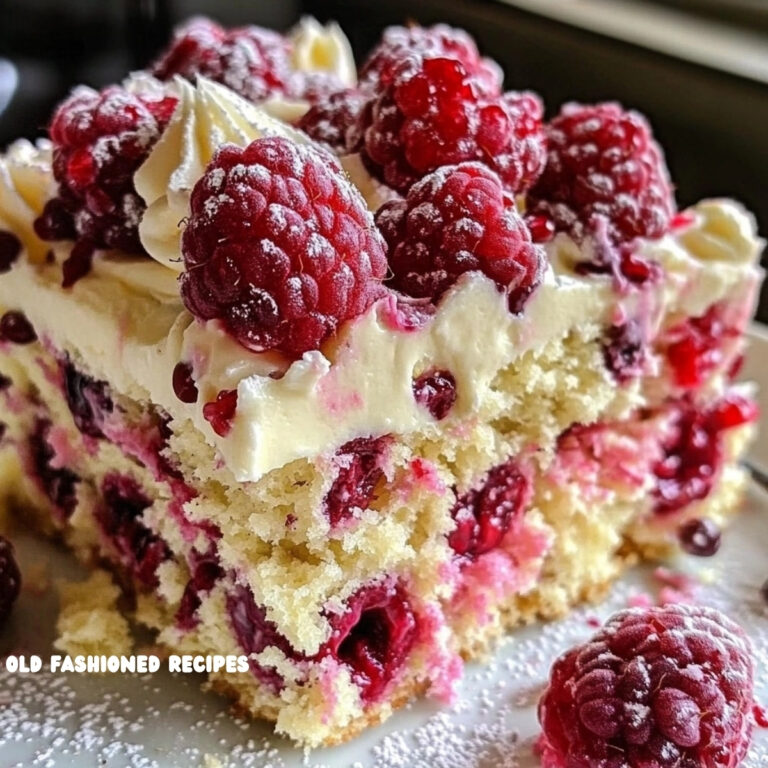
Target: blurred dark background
(697, 68)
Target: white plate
(165, 721)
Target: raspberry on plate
(668, 687)
(99, 140)
(456, 220)
(10, 579)
(252, 61)
(433, 113)
(603, 163)
(279, 246)
(400, 43)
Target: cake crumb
(89, 622)
(211, 761)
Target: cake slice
(353, 408)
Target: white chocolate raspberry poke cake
(350, 371)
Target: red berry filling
(10, 248)
(184, 386)
(604, 165)
(10, 579)
(433, 113)
(15, 327)
(694, 348)
(120, 515)
(694, 450)
(255, 632)
(435, 390)
(100, 140)
(59, 484)
(206, 571)
(456, 220)
(221, 412)
(664, 687)
(359, 470)
(484, 515)
(398, 44)
(88, 399)
(279, 247)
(373, 637)
(330, 118)
(625, 350)
(252, 61)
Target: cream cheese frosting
(207, 116)
(26, 183)
(288, 411)
(323, 48)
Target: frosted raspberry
(668, 687)
(10, 579)
(329, 120)
(603, 163)
(373, 637)
(456, 220)
(484, 515)
(433, 114)
(440, 41)
(252, 61)
(279, 247)
(99, 141)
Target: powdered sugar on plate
(164, 721)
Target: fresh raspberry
(440, 41)
(433, 114)
(668, 687)
(329, 120)
(459, 219)
(359, 469)
(10, 579)
(484, 515)
(693, 451)
(99, 141)
(603, 163)
(373, 637)
(252, 61)
(279, 246)
(435, 390)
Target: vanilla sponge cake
(389, 451)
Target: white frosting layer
(360, 384)
(206, 117)
(25, 185)
(318, 48)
